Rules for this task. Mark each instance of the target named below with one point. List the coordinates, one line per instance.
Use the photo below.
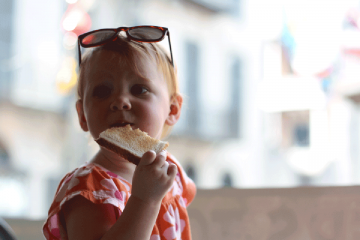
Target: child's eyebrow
(145, 79)
(102, 74)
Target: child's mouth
(123, 124)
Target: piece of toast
(128, 143)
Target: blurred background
(272, 92)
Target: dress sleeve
(91, 182)
(183, 186)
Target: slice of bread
(128, 143)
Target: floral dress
(101, 186)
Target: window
(227, 180)
(295, 129)
(201, 120)
(224, 122)
(192, 88)
(4, 157)
(301, 135)
(236, 93)
(6, 12)
(190, 172)
(305, 180)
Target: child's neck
(115, 164)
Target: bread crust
(122, 152)
(128, 143)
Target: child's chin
(107, 151)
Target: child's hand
(153, 177)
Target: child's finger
(148, 158)
(160, 159)
(172, 170)
(165, 166)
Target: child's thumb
(147, 158)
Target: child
(125, 82)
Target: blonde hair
(130, 50)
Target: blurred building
(32, 112)
(256, 114)
(312, 103)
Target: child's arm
(152, 179)
(88, 220)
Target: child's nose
(120, 103)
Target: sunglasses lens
(98, 37)
(146, 33)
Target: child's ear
(81, 115)
(175, 110)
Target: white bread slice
(128, 143)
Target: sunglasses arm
(79, 52)
(172, 59)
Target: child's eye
(138, 90)
(102, 91)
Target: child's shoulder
(95, 184)
(95, 175)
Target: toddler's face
(115, 95)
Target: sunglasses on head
(138, 33)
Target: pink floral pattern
(172, 216)
(101, 186)
(112, 196)
(155, 237)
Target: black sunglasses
(138, 33)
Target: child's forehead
(105, 63)
(121, 60)
(111, 58)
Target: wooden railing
(311, 213)
(305, 213)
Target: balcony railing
(210, 124)
(228, 6)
